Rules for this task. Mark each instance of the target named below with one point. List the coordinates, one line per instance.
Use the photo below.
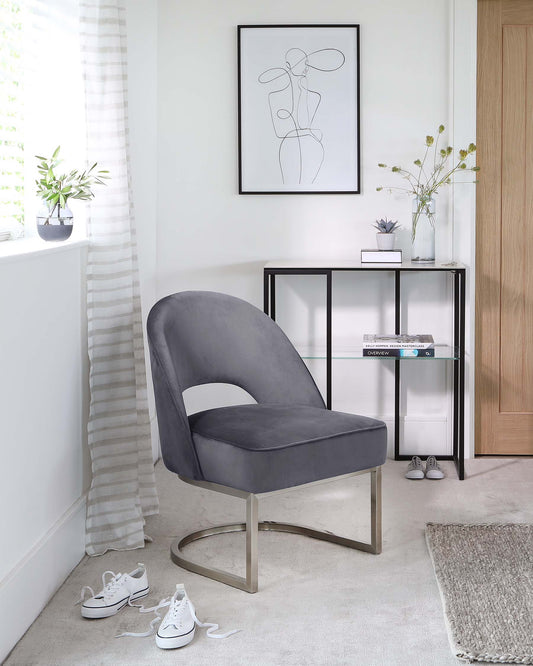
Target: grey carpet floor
(485, 574)
(318, 604)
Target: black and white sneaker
(118, 591)
(178, 626)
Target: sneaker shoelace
(176, 615)
(108, 589)
(431, 463)
(415, 463)
(176, 612)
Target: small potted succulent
(54, 219)
(385, 236)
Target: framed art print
(299, 109)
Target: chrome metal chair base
(252, 527)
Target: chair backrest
(203, 337)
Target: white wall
(141, 17)
(209, 237)
(43, 398)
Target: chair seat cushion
(260, 448)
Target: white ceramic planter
(385, 241)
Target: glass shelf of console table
(442, 353)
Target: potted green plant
(433, 172)
(54, 219)
(385, 236)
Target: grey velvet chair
(286, 440)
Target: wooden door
(504, 228)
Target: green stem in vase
(423, 207)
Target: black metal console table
(455, 354)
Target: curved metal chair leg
(252, 528)
(249, 583)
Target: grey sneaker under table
(433, 471)
(415, 469)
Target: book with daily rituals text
(402, 341)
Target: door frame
(490, 226)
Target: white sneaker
(433, 471)
(116, 593)
(179, 624)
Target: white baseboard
(30, 585)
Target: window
(41, 102)
(11, 117)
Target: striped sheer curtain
(123, 489)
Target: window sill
(14, 250)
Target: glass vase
(423, 230)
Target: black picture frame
(299, 109)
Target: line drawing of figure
(293, 108)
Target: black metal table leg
(273, 296)
(461, 468)
(266, 282)
(328, 338)
(456, 406)
(459, 372)
(397, 326)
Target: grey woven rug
(485, 576)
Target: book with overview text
(429, 352)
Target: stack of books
(399, 346)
